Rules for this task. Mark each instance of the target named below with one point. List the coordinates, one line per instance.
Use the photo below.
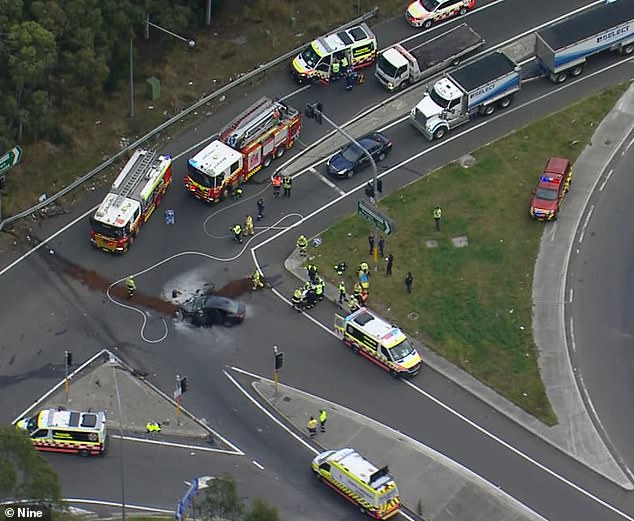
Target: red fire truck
(250, 142)
(134, 195)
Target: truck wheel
(404, 85)
(505, 102)
(440, 133)
(84, 453)
(561, 77)
(280, 152)
(577, 70)
(226, 193)
(488, 109)
(427, 24)
(456, 62)
(267, 162)
(463, 11)
(627, 49)
(355, 349)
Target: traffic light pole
(365, 152)
(316, 112)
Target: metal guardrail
(243, 79)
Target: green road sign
(371, 214)
(11, 158)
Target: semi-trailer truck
(476, 88)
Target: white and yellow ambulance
(355, 46)
(379, 341)
(60, 430)
(372, 489)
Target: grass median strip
(471, 299)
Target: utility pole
(208, 13)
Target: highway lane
(178, 352)
(118, 328)
(601, 279)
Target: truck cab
(396, 68)
(440, 109)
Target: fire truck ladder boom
(259, 117)
(139, 170)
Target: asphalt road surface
(51, 310)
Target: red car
(424, 13)
(553, 185)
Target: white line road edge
(585, 224)
(177, 445)
(115, 504)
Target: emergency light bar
(549, 179)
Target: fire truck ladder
(258, 118)
(137, 174)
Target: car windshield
(310, 56)
(385, 65)
(401, 350)
(31, 425)
(430, 5)
(194, 304)
(546, 194)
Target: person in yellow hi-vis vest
(323, 418)
(312, 427)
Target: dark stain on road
(234, 288)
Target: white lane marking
(519, 453)
(607, 178)
(585, 224)
(44, 242)
(59, 384)
(406, 516)
(257, 404)
(572, 335)
(257, 465)
(627, 147)
(571, 294)
(115, 504)
(177, 445)
(295, 92)
(395, 433)
(325, 180)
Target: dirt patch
(235, 288)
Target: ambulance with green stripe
(315, 63)
(382, 343)
(372, 489)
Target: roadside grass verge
(242, 36)
(472, 305)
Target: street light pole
(131, 86)
(365, 152)
(148, 24)
(189, 42)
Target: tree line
(61, 55)
(25, 474)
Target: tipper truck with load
(562, 48)
(476, 88)
(397, 67)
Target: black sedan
(351, 159)
(209, 310)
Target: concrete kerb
(576, 434)
(579, 432)
(102, 382)
(426, 478)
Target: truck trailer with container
(561, 49)
(476, 88)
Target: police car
(424, 13)
(553, 185)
